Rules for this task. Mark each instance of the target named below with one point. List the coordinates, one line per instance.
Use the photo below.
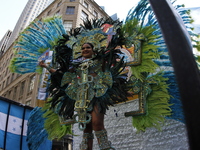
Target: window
(85, 4)
(70, 10)
(84, 15)
(31, 85)
(95, 14)
(12, 77)
(68, 25)
(58, 12)
(4, 95)
(72, 0)
(6, 72)
(9, 94)
(15, 91)
(8, 80)
(22, 88)
(48, 12)
(59, 3)
(28, 102)
(3, 84)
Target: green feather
(157, 104)
(52, 124)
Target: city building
(32, 9)
(4, 42)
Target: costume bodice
(88, 81)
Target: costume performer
(87, 83)
(91, 74)
(89, 79)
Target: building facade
(73, 12)
(4, 42)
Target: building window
(31, 85)
(59, 3)
(3, 84)
(12, 77)
(48, 12)
(4, 95)
(57, 13)
(8, 80)
(22, 88)
(72, 0)
(28, 102)
(95, 14)
(84, 16)
(6, 72)
(70, 10)
(85, 4)
(9, 95)
(68, 25)
(15, 91)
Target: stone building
(4, 41)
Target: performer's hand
(42, 64)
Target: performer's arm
(42, 64)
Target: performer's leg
(97, 119)
(100, 132)
(88, 137)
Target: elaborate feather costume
(79, 91)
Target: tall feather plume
(33, 41)
(144, 14)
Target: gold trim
(142, 105)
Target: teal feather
(36, 133)
(33, 41)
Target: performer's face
(87, 51)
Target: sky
(10, 10)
